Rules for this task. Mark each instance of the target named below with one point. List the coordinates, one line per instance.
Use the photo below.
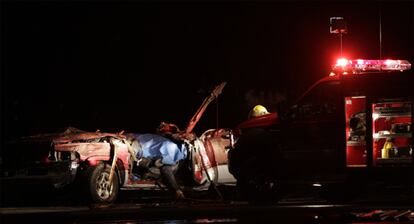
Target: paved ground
(371, 206)
(195, 211)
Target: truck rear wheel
(100, 189)
(259, 191)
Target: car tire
(100, 190)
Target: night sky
(129, 65)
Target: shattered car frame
(103, 163)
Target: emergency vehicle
(350, 129)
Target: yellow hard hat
(257, 111)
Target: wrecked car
(102, 163)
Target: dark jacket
(256, 152)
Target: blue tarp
(158, 147)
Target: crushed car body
(104, 163)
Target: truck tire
(259, 193)
(100, 190)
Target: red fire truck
(352, 128)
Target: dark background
(129, 65)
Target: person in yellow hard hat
(250, 160)
(257, 111)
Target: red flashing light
(342, 62)
(388, 62)
(344, 66)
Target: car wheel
(100, 189)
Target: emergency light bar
(345, 66)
